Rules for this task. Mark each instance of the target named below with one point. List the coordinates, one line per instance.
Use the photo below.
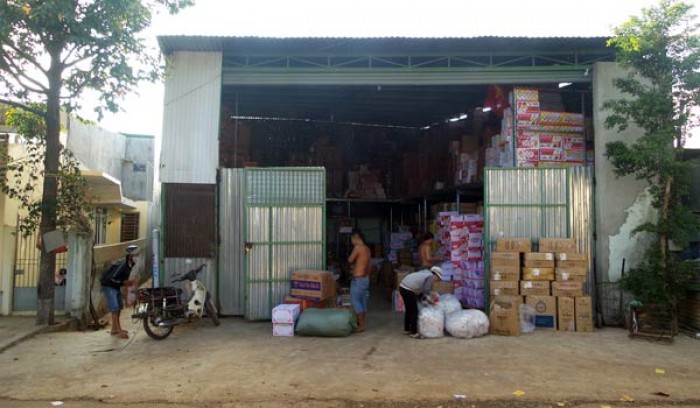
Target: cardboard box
(513, 245)
(312, 284)
(505, 259)
(282, 330)
(505, 273)
(557, 245)
(545, 311)
(504, 317)
(539, 256)
(567, 316)
(443, 287)
(537, 288)
(285, 313)
(572, 264)
(570, 289)
(570, 256)
(538, 274)
(584, 314)
(303, 303)
(507, 288)
(538, 264)
(571, 274)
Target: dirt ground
(240, 364)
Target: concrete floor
(241, 364)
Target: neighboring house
(118, 169)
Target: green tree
(661, 50)
(51, 51)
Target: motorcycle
(161, 309)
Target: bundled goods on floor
(532, 136)
(446, 316)
(551, 281)
(462, 238)
(310, 289)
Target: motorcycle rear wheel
(153, 330)
(212, 312)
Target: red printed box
(528, 154)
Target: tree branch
(28, 57)
(23, 106)
(17, 72)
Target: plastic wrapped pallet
(326, 323)
(467, 324)
(431, 322)
(449, 303)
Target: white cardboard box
(283, 329)
(284, 313)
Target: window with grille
(100, 226)
(130, 227)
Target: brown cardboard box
(539, 256)
(537, 288)
(567, 316)
(505, 273)
(508, 288)
(312, 284)
(572, 264)
(538, 274)
(571, 274)
(571, 289)
(584, 314)
(538, 264)
(570, 256)
(545, 311)
(443, 287)
(557, 245)
(505, 259)
(504, 317)
(513, 245)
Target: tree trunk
(47, 268)
(663, 238)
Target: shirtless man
(360, 260)
(425, 252)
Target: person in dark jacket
(112, 280)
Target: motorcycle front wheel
(212, 312)
(152, 329)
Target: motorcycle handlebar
(192, 272)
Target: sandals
(415, 336)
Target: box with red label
(526, 94)
(283, 330)
(528, 140)
(527, 106)
(550, 118)
(550, 154)
(527, 154)
(550, 141)
(303, 303)
(526, 163)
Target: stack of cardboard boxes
(551, 280)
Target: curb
(33, 332)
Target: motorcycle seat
(167, 291)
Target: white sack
(431, 322)
(449, 303)
(467, 323)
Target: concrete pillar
(621, 204)
(7, 272)
(78, 281)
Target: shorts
(359, 288)
(114, 299)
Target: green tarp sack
(326, 323)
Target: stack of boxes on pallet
(551, 280)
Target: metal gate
(539, 203)
(281, 213)
(26, 275)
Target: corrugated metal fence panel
(190, 147)
(527, 202)
(285, 210)
(232, 254)
(582, 221)
(174, 267)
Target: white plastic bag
(431, 322)
(527, 318)
(467, 324)
(449, 303)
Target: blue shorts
(115, 302)
(359, 288)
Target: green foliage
(21, 177)
(661, 50)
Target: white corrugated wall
(190, 149)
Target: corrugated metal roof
(351, 45)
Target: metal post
(156, 259)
